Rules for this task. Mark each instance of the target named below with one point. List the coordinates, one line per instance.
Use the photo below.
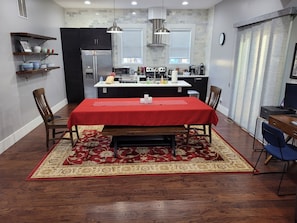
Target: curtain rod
(284, 12)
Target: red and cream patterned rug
(92, 156)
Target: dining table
(141, 122)
(161, 111)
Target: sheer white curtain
(259, 69)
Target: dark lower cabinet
(138, 92)
(198, 83)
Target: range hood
(156, 16)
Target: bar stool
(193, 93)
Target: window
(132, 47)
(180, 46)
(22, 8)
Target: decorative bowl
(36, 65)
(27, 66)
(37, 49)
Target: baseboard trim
(223, 110)
(24, 130)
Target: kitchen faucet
(154, 81)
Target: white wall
(226, 14)
(18, 112)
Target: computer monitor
(290, 100)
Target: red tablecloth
(129, 111)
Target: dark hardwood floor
(170, 198)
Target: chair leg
(281, 179)
(209, 132)
(254, 169)
(71, 137)
(285, 170)
(47, 138)
(54, 135)
(204, 129)
(188, 135)
(76, 130)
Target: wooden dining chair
(57, 125)
(212, 101)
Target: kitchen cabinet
(72, 64)
(95, 39)
(27, 54)
(73, 41)
(198, 83)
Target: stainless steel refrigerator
(95, 64)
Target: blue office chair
(278, 148)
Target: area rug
(93, 156)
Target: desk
(163, 111)
(283, 122)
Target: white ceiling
(126, 4)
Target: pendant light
(114, 28)
(162, 30)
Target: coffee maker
(201, 69)
(192, 70)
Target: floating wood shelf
(34, 36)
(32, 53)
(18, 36)
(37, 71)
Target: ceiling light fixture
(162, 30)
(87, 2)
(185, 3)
(114, 28)
(134, 3)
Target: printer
(274, 110)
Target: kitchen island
(154, 89)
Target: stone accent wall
(155, 56)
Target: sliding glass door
(259, 70)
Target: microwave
(121, 70)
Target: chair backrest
(42, 105)
(214, 97)
(273, 136)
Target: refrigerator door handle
(95, 69)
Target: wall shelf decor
(22, 42)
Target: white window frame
(182, 27)
(119, 39)
(22, 8)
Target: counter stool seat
(193, 93)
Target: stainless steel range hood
(156, 16)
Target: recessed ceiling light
(185, 3)
(134, 3)
(133, 13)
(87, 2)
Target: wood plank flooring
(172, 198)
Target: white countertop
(189, 76)
(144, 84)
